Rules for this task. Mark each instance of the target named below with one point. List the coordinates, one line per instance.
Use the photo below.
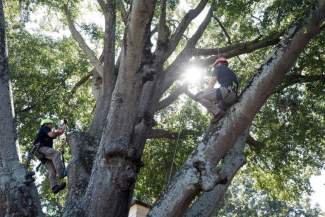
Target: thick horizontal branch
(175, 70)
(238, 48)
(188, 182)
(166, 134)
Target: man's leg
(209, 100)
(54, 166)
(55, 157)
(227, 98)
(52, 173)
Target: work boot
(57, 188)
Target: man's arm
(56, 133)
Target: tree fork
(239, 116)
(114, 172)
(210, 202)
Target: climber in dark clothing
(217, 100)
(50, 157)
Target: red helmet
(221, 60)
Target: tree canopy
(58, 71)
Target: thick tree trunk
(83, 151)
(127, 109)
(197, 173)
(100, 114)
(116, 165)
(210, 202)
(17, 199)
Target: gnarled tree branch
(176, 69)
(188, 182)
(238, 48)
(200, 30)
(82, 44)
(210, 202)
(176, 37)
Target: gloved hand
(59, 132)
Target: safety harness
(34, 152)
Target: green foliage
(242, 199)
(290, 125)
(93, 31)
(163, 157)
(43, 72)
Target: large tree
(130, 88)
(16, 197)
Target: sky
(318, 185)
(57, 30)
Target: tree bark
(83, 151)
(17, 199)
(108, 76)
(149, 75)
(103, 184)
(210, 202)
(196, 174)
(116, 165)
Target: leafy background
(46, 63)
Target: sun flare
(193, 74)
